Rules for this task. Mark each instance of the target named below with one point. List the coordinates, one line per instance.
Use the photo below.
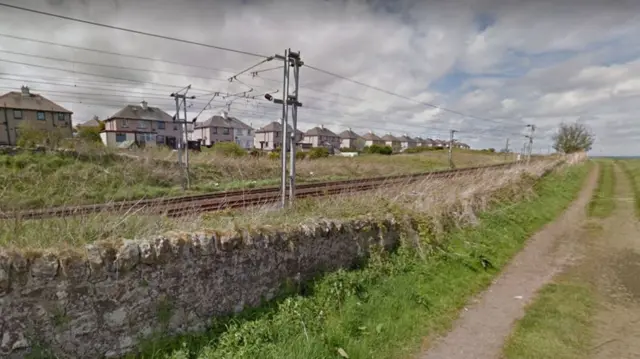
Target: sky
(485, 68)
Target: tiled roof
(138, 112)
(370, 136)
(30, 101)
(219, 121)
(390, 137)
(406, 138)
(320, 131)
(348, 134)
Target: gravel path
(484, 325)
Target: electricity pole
(182, 130)
(291, 60)
(451, 165)
(295, 62)
(506, 150)
(530, 137)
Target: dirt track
(613, 263)
(487, 321)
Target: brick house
(349, 139)
(269, 137)
(17, 108)
(392, 141)
(371, 139)
(140, 124)
(224, 128)
(406, 142)
(321, 136)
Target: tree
(573, 137)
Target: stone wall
(101, 303)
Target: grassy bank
(430, 198)
(557, 325)
(387, 307)
(30, 180)
(602, 203)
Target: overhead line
(399, 95)
(164, 37)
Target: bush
(229, 149)
(318, 152)
(377, 149)
(30, 135)
(274, 155)
(301, 155)
(89, 134)
(348, 149)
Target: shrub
(301, 155)
(377, 149)
(229, 149)
(30, 135)
(274, 155)
(89, 134)
(318, 152)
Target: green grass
(632, 170)
(602, 203)
(557, 324)
(385, 308)
(52, 179)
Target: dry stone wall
(103, 303)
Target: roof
(137, 112)
(30, 101)
(276, 126)
(320, 131)
(406, 138)
(370, 136)
(219, 121)
(390, 137)
(91, 123)
(348, 134)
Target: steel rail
(181, 205)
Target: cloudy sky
(498, 65)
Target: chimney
(322, 127)
(223, 114)
(143, 104)
(25, 91)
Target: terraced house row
(149, 126)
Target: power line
(164, 37)
(399, 95)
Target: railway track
(184, 205)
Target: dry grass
(100, 175)
(444, 202)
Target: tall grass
(447, 202)
(387, 307)
(631, 168)
(602, 202)
(102, 175)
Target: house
(269, 137)
(371, 139)
(92, 123)
(440, 144)
(429, 142)
(406, 142)
(419, 141)
(321, 136)
(17, 108)
(460, 145)
(223, 128)
(348, 139)
(142, 124)
(392, 141)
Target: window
(175, 127)
(60, 116)
(160, 139)
(125, 123)
(215, 130)
(248, 132)
(121, 137)
(40, 116)
(17, 114)
(142, 124)
(160, 125)
(225, 130)
(276, 134)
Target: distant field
(40, 180)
